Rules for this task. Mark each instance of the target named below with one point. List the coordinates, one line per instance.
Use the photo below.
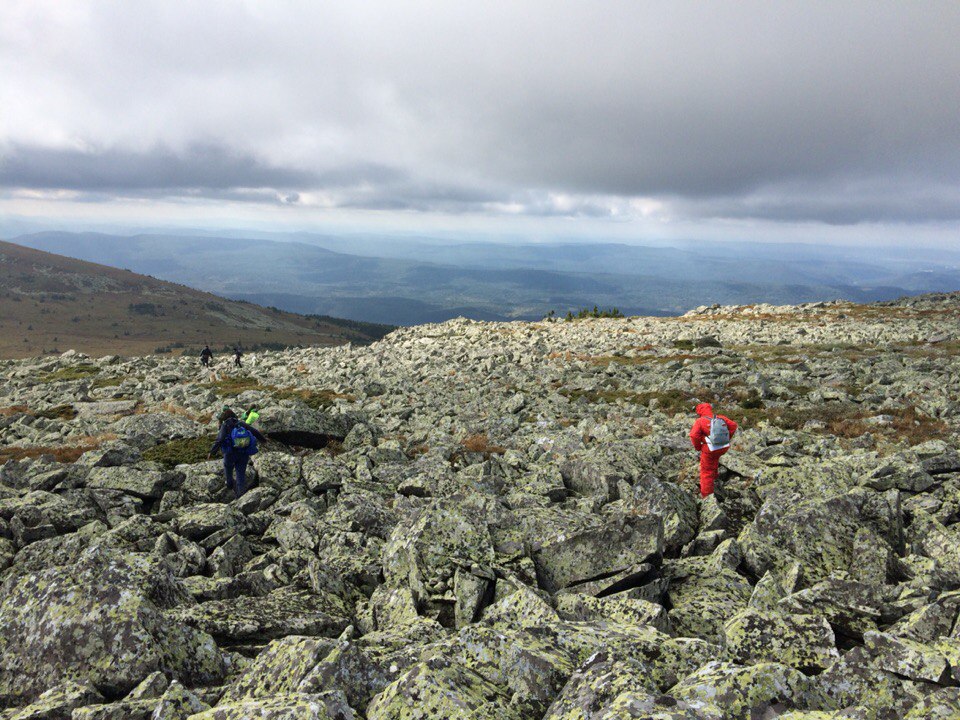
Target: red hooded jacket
(701, 428)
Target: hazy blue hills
(415, 280)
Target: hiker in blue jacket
(238, 443)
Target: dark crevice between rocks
(634, 580)
(489, 595)
(248, 649)
(299, 440)
(845, 639)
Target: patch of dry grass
(61, 454)
(480, 443)
(174, 409)
(14, 410)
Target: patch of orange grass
(480, 443)
(61, 454)
(174, 409)
(418, 450)
(567, 356)
(13, 410)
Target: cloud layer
(823, 112)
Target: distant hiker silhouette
(206, 356)
(237, 354)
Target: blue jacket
(226, 427)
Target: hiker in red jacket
(710, 436)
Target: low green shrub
(105, 382)
(186, 451)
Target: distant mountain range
(50, 303)
(414, 280)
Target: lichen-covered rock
(279, 470)
(330, 705)
(931, 538)
(852, 608)
(804, 642)
(388, 608)
(177, 703)
(597, 683)
(530, 664)
(703, 592)
(746, 692)
(645, 705)
(491, 524)
(944, 704)
(285, 611)
(672, 503)
(145, 431)
(676, 658)
(907, 658)
(52, 627)
(618, 609)
(931, 621)
(38, 514)
(425, 556)
(441, 689)
(199, 521)
(820, 533)
(359, 674)
(279, 668)
(522, 607)
(58, 702)
(152, 686)
(776, 584)
(144, 483)
(854, 680)
(123, 710)
(584, 639)
(298, 419)
(624, 542)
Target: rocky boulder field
(496, 520)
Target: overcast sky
(836, 120)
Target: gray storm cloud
(208, 167)
(832, 112)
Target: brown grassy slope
(50, 302)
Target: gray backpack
(719, 436)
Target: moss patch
(105, 382)
(187, 451)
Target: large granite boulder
(804, 642)
(103, 621)
(149, 429)
(823, 535)
(622, 543)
